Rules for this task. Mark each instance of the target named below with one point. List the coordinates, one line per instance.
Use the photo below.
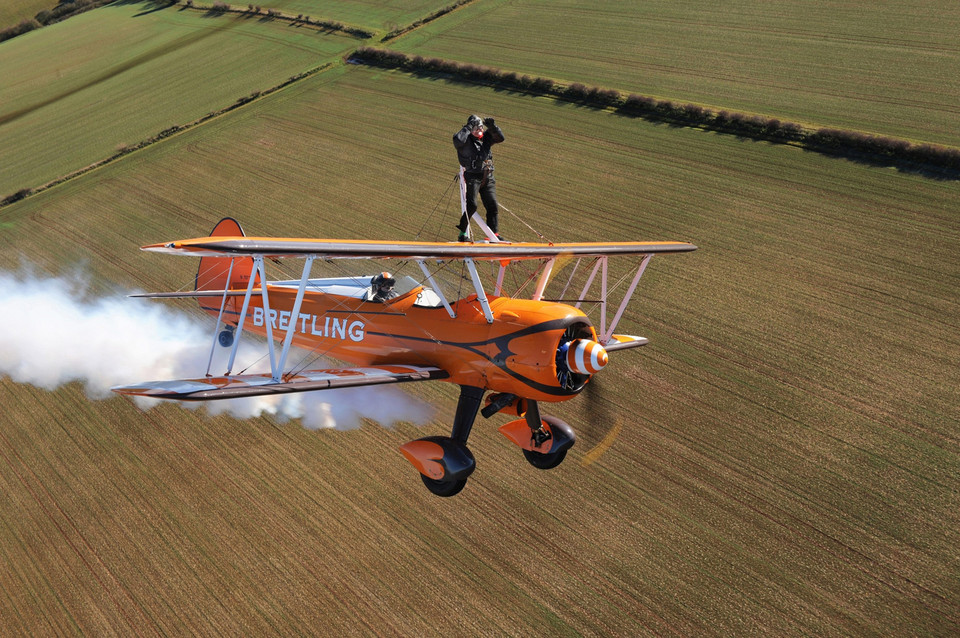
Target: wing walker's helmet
(474, 122)
(384, 282)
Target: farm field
(887, 69)
(369, 14)
(13, 11)
(77, 90)
(782, 459)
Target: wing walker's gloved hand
(489, 123)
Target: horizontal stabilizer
(622, 342)
(248, 385)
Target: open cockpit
(359, 287)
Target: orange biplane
(522, 351)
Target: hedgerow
(419, 23)
(24, 26)
(838, 142)
(125, 149)
(62, 11)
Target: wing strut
(257, 264)
(603, 295)
(268, 324)
(223, 304)
(294, 315)
(436, 289)
(544, 278)
(586, 287)
(572, 273)
(478, 286)
(500, 273)
(608, 333)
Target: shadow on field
(938, 173)
(911, 167)
(154, 5)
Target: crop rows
(783, 458)
(848, 143)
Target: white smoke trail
(51, 334)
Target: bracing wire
(520, 219)
(445, 196)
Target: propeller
(603, 425)
(579, 358)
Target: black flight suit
(476, 159)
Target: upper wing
(356, 249)
(248, 385)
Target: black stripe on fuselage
(503, 346)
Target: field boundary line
(416, 24)
(125, 150)
(929, 160)
(252, 11)
(46, 17)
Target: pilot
(382, 287)
(473, 143)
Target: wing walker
(508, 354)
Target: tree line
(62, 11)
(827, 140)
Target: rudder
(213, 271)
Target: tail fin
(214, 271)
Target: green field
(785, 454)
(76, 91)
(370, 14)
(890, 69)
(13, 11)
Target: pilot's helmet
(383, 282)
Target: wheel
(563, 437)
(443, 488)
(226, 338)
(544, 461)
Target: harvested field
(776, 468)
(891, 69)
(76, 91)
(368, 14)
(782, 459)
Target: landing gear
(226, 336)
(550, 438)
(444, 462)
(443, 488)
(550, 460)
(543, 440)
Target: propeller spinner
(585, 356)
(578, 357)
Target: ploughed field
(781, 459)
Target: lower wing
(622, 342)
(248, 385)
